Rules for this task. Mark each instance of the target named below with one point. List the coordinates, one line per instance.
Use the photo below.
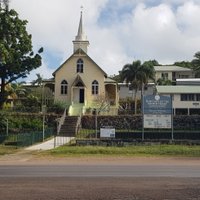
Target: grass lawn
(154, 150)
(7, 149)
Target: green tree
(38, 81)
(117, 77)
(185, 64)
(16, 56)
(153, 62)
(162, 81)
(196, 64)
(136, 75)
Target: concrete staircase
(76, 109)
(69, 126)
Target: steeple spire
(81, 35)
(81, 41)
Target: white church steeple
(81, 41)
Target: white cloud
(166, 31)
(43, 70)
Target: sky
(119, 31)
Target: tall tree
(38, 81)
(16, 56)
(186, 64)
(196, 64)
(137, 74)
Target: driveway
(50, 144)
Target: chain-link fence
(26, 139)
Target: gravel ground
(100, 188)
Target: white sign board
(157, 121)
(107, 133)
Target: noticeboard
(157, 111)
(107, 132)
(156, 104)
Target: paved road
(184, 171)
(82, 180)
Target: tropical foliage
(16, 56)
(196, 64)
(136, 75)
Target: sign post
(157, 112)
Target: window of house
(190, 97)
(183, 97)
(197, 97)
(95, 87)
(130, 88)
(63, 88)
(187, 97)
(79, 66)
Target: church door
(81, 96)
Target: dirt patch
(28, 157)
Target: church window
(79, 66)
(95, 87)
(63, 88)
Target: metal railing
(61, 121)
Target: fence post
(6, 126)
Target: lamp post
(43, 113)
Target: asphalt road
(87, 179)
(184, 171)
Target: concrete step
(69, 126)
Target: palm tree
(137, 74)
(16, 90)
(38, 81)
(196, 64)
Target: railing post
(6, 126)
(61, 121)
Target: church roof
(78, 82)
(80, 52)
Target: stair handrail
(78, 125)
(61, 121)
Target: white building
(185, 98)
(172, 72)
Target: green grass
(7, 150)
(154, 150)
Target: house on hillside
(82, 84)
(171, 72)
(128, 92)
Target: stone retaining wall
(133, 122)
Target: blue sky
(119, 31)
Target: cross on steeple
(81, 8)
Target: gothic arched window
(95, 87)
(79, 66)
(63, 87)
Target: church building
(82, 84)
